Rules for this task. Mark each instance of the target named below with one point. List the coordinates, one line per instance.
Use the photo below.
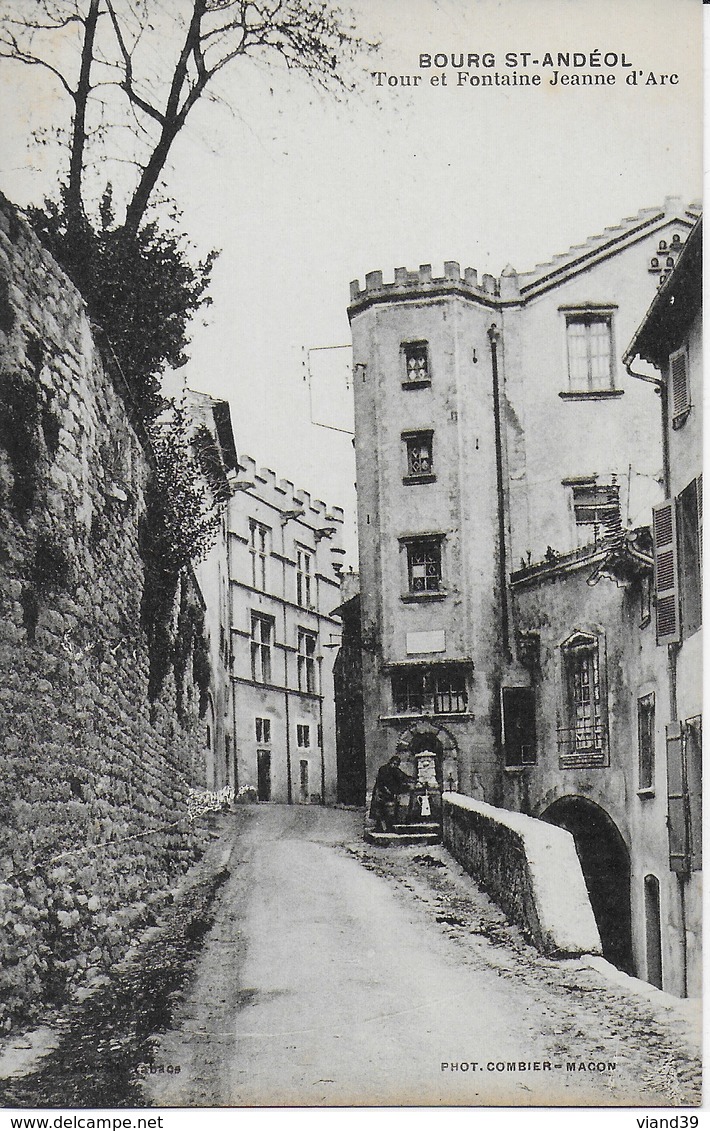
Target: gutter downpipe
(493, 338)
(672, 648)
(660, 386)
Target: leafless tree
(160, 57)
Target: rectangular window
(449, 692)
(420, 455)
(582, 738)
(438, 691)
(647, 741)
(596, 505)
(303, 735)
(589, 352)
(689, 561)
(424, 565)
(416, 363)
(519, 736)
(303, 578)
(259, 550)
(583, 676)
(306, 661)
(262, 629)
(263, 731)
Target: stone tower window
(417, 370)
(419, 447)
(424, 565)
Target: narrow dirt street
(339, 974)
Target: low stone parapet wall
(529, 868)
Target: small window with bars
(417, 370)
(437, 691)
(303, 735)
(420, 456)
(424, 566)
(582, 737)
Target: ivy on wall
(184, 501)
(50, 571)
(29, 431)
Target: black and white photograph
(351, 445)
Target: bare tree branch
(14, 52)
(164, 58)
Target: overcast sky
(303, 195)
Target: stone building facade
(284, 559)
(500, 443)
(670, 339)
(95, 774)
(349, 713)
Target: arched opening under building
(605, 863)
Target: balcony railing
(585, 744)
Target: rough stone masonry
(94, 777)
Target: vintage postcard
(350, 556)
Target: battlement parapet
(264, 483)
(410, 284)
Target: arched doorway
(604, 858)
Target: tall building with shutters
(507, 468)
(670, 340)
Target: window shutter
(665, 556)
(680, 392)
(677, 823)
(694, 773)
(699, 490)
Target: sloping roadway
(334, 975)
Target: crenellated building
(284, 561)
(507, 467)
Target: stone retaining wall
(529, 868)
(94, 778)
